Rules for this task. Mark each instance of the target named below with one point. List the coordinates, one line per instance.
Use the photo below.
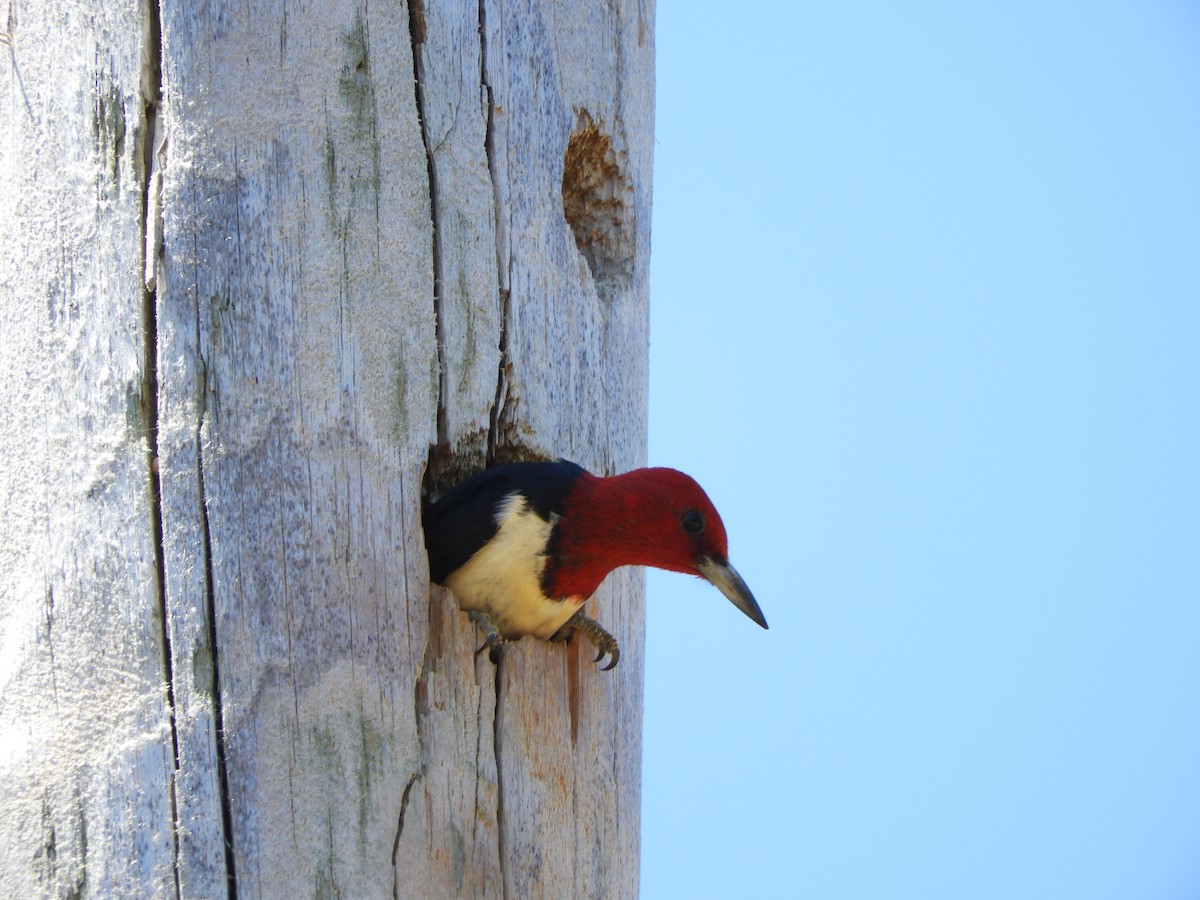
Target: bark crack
(500, 401)
(412, 779)
(416, 29)
(151, 224)
(210, 592)
(496, 753)
(435, 470)
(499, 404)
(210, 620)
(218, 704)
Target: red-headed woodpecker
(523, 546)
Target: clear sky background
(926, 325)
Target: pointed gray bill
(730, 583)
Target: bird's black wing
(465, 518)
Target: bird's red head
(663, 518)
(647, 517)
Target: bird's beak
(730, 583)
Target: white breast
(503, 579)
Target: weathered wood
(298, 394)
(393, 249)
(572, 322)
(85, 738)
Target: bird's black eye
(692, 521)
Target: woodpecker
(522, 546)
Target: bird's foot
(604, 642)
(494, 644)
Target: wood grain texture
(85, 736)
(565, 740)
(247, 323)
(298, 373)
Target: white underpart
(504, 577)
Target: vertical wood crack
(210, 602)
(498, 404)
(412, 779)
(439, 455)
(416, 28)
(151, 90)
(417, 34)
(218, 704)
(498, 755)
(501, 397)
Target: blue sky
(926, 325)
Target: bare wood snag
(266, 277)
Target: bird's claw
(609, 647)
(604, 642)
(494, 644)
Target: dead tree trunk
(267, 275)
